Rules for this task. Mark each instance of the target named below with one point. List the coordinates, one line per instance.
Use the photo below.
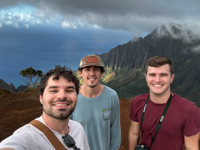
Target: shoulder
(22, 137)
(109, 91)
(140, 98)
(185, 107)
(183, 103)
(139, 101)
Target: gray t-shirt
(100, 118)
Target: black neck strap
(161, 118)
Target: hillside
(125, 63)
(19, 109)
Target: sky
(45, 33)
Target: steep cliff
(128, 61)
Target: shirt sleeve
(133, 115)
(192, 121)
(18, 141)
(115, 128)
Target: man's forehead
(164, 68)
(92, 67)
(53, 80)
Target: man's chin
(62, 116)
(92, 86)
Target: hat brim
(91, 65)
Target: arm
(134, 133)
(192, 142)
(6, 149)
(115, 127)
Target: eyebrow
(159, 74)
(54, 87)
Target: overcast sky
(44, 33)
(137, 16)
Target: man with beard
(97, 107)
(58, 95)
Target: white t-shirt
(30, 138)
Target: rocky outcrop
(21, 88)
(7, 87)
(11, 88)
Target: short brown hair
(158, 61)
(56, 73)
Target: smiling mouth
(92, 79)
(156, 85)
(61, 104)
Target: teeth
(60, 104)
(157, 85)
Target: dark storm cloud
(143, 7)
(137, 16)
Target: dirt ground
(17, 110)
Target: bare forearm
(192, 142)
(133, 139)
(192, 148)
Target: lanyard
(161, 118)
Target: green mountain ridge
(125, 64)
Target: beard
(60, 114)
(92, 86)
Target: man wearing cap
(97, 107)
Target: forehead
(161, 69)
(92, 67)
(60, 82)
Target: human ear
(172, 78)
(41, 97)
(79, 74)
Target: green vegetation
(130, 83)
(29, 74)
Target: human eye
(152, 74)
(70, 90)
(164, 74)
(53, 91)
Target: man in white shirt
(58, 95)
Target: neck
(91, 92)
(61, 126)
(160, 99)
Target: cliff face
(7, 87)
(128, 62)
(11, 88)
(135, 54)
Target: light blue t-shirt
(100, 118)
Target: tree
(29, 74)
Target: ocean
(43, 48)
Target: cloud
(196, 49)
(189, 33)
(139, 17)
(66, 24)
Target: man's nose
(91, 72)
(157, 78)
(62, 94)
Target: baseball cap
(91, 60)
